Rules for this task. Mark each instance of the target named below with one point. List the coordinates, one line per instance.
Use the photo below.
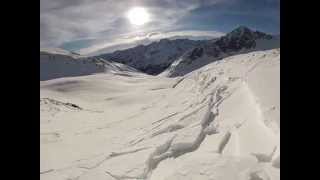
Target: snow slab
(221, 121)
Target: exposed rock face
(157, 57)
(240, 40)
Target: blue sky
(88, 26)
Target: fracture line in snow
(178, 82)
(112, 155)
(47, 171)
(265, 157)
(117, 177)
(167, 150)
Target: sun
(138, 16)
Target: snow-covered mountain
(155, 57)
(240, 40)
(221, 121)
(58, 63)
(213, 114)
(182, 56)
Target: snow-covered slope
(57, 63)
(240, 40)
(218, 122)
(155, 57)
(180, 56)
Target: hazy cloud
(104, 46)
(83, 23)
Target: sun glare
(138, 16)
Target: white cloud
(105, 21)
(127, 41)
(66, 20)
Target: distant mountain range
(167, 57)
(155, 57)
(180, 56)
(240, 40)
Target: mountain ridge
(240, 40)
(157, 57)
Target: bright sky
(88, 26)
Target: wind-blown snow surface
(218, 122)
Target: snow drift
(221, 121)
